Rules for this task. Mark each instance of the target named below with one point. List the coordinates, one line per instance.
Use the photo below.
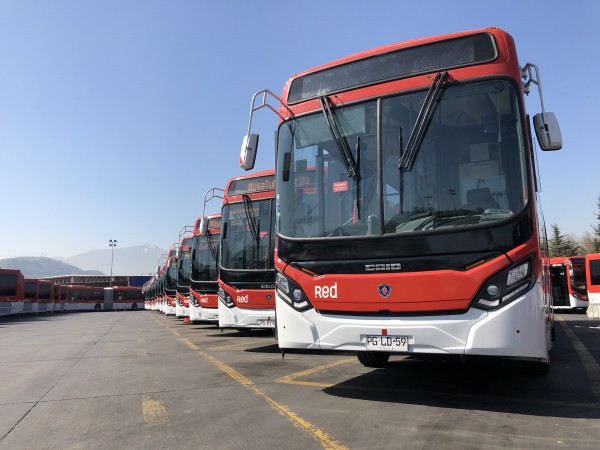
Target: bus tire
(537, 367)
(134, 307)
(373, 359)
(97, 307)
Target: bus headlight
(505, 286)
(281, 282)
(298, 299)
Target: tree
(560, 245)
(595, 241)
(587, 243)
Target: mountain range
(138, 260)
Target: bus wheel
(97, 307)
(373, 359)
(134, 307)
(537, 367)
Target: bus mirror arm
(546, 126)
(250, 142)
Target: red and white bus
(30, 298)
(592, 271)
(246, 268)
(127, 297)
(60, 298)
(406, 203)
(205, 269)
(84, 298)
(11, 291)
(169, 284)
(184, 268)
(569, 287)
(45, 296)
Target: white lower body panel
(209, 314)
(245, 317)
(519, 329)
(593, 310)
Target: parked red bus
(84, 298)
(246, 268)
(60, 297)
(407, 206)
(205, 269)
(11, 291)
(128, 297)
(30, 299)
(169, 285)
(184, 269)
(569, 290)
(45, 296)
(592, 270)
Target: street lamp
(112, 243)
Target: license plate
(266, 322)
(387, 343)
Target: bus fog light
(297, 294)
(492, 290)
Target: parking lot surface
(143, 380)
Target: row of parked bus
(20, 295)
(405, 204)
(576, 283)
(222, 268)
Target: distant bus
(592, 270)
(569, 290)
(205, 270)
(170, 283)
(128, 297)
(30, 299)
(60, 297)
(247, 271)
(11, 291)
(84, 298)
(45, 296)
(184, 269)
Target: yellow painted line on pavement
(589, 362)
(324, 439)
(292, 379)
(154, 410)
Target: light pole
(112, 243)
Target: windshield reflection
(470, 168)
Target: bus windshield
(205, 257)
(247, 241)
(468, 170)
(8, 284)
(185, 269)
(172, 276)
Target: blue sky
(117, 115)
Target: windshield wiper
(409, 155)
(249, 217)
(342, 144)
(211, 245)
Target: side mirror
(547, 131)
(248, 152)
(203, 226)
